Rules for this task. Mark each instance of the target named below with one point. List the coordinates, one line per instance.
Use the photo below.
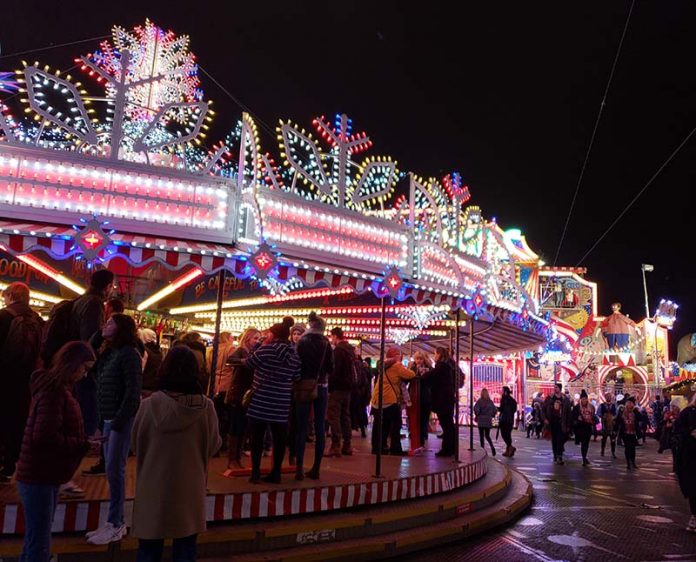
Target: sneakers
(107, 534)
(691, 527)
(70, 490)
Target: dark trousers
(391, 429)
(39, 501)
(558, 438)
(612, 440)
(183, 550)
(506, 433)
(257, 430)
(485, 433)
(630, 442)
(584, 438)
(302, 412)
(446, 419)
(339, 418)
(692, 505)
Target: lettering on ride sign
(312, 537)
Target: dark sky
(506, 93)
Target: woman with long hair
(441, 379)
(242, 377)
(484, 412)
(54, 444)
(421, 365)
(177, 422)
(119, 381)
(507, 409)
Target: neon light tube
(46, 269)
(169, 289)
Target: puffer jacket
(119, 382)
(54, 441)
(485, 411)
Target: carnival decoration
(92, 240)
(423, 316)
(7, 83)
(666, 314)
(400, 336)
(331, 175)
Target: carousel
(108, 167)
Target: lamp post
(646, 267)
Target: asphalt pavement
(600, 512)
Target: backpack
(57, 332)
(20, 351)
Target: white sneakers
(106, 533)
(691, 527)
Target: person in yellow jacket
(394, 375)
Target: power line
(594, 133)
(613, 224)
(49, 47)
(261, 122)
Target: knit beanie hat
(147, 335)
(282, 330)
(316, 322)
(393, 352)
(297, 329)
(583, 393)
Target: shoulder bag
(305, 390)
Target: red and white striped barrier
(76, 516)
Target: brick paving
(601, 512)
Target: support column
(456, 389)
(471, 383)
(218, 321)
(378, 421)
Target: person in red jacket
(54, 444)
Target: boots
(512, 451)
(492, 450)
(507, 452)
(234, 452)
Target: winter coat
(311, 348)
(242, 377)
(686, 451)
(199, 351)
(394, 375)
(152, 365)
(341, 378)
(441, 379)
(87, 315)
(621, 423)
(14, 378)
(223, 371)
(485, 411)
(119, 381)
(54, 440)
(173, 438)
(566, 411)
(276, 366)
(507, 409)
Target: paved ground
(600, 512)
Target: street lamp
(649, 268)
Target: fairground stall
(113, 172)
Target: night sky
(506, 93)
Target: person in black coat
(441, 379)
(628, 428)
(685, 441)
(507, 409)
(583, 423)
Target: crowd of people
(90, 378)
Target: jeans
(612, 440)
(630, 442)
(506, 433)
(39, 501)
(116, 447)
(558, 439)
(584, 438)
(302, 413)
(183, 550)
(485, 433)
(446, 419)
(339, 418)
(391, 427)
(257, 430)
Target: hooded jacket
(173, 438)
(312, 347)
(54, 441)
(485, 411)
(394, 375)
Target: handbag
(248, 395)
(305, 390)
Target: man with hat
(584, 421)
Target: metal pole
(218, 320)
(471, 383)
(456, 392)
(377, 427)
(645, 291)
